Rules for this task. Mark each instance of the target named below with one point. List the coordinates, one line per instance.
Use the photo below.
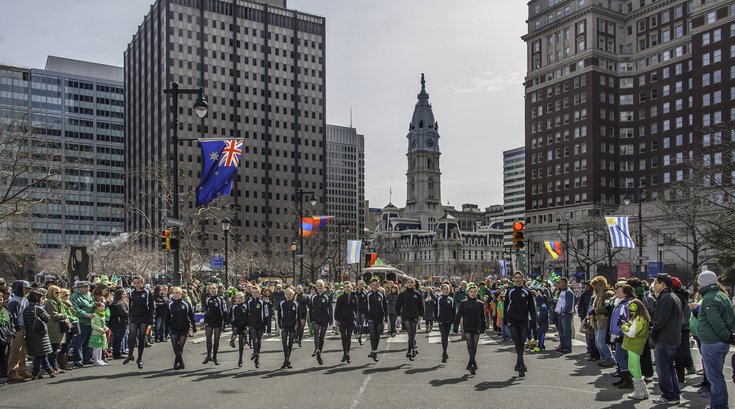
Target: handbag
(584, 327)
(75, 328)
(64, 326)
(39, 327)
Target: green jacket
(83, 304)
(716, 317)
(635, 335)
(55, 309)
(694, 323)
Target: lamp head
(226, 223)
(200, 106)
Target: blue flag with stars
(220, 160)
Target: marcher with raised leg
(239, 317)
(472, 313)
(377, 308)
(288, 318)
(179, 319)
(320, 309)
(345, 312)
(257, 316)
(519, 307)
(445, 317)
(140, 315)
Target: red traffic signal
(518, 237)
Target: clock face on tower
(429, 143)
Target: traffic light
(166, 240)
(518, 239)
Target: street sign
(171, 222)
(642, 258)
(654, 268)
(217, 262)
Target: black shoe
(445, 357)
(288, 365)
(206, 360)
(176, 366)
(239, 362)
(344, 358)
(359, 341)
(299, 343)
(415, 351)
(181, 365)
(257, 362)
(319, 359)
(409, 356)
(375, 356)
(472, 370)
(125, 362)
(284, 366)
(347, 358)
(232, 342)
(214, 359)
(252, 356)
(313, 354)
(140, 365)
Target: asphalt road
(553, 380)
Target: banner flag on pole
(311, 225)
(503, 267)
(220, 159)
(353, 251)
(554, 248)
(619, 232)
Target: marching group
(623, 322)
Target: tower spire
(423, 83)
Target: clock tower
(423, 177)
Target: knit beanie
(706, 278)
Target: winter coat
(38, 343)
(55, 310)
(410, 305)
(600, 311)
(584, 303)
(429, 307)
(716, 320)
(666, 327)
(118, 315)
(392, 299)
(83, 304)
(635, 335)
(472, 313)
(620, 313)
(98, 339)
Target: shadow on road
(383, 369)
(422, 370)
(483, 386)
(345, 368)
(449, 381)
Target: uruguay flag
(220, 159)
(619, 232)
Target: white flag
(353, 251)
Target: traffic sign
(171, 222)
(217, 262)
(642, 258)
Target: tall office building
(619, 96)
(75, 112)
(262, 70)
(514, 191)
(346, 177)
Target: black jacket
(141, 306)
(288, 315)
(584, 303)
(445, 309)
(161, 303)
(239, 317)
(377, 306)
(666, 328)
(320, 307)
(410, 305)
(304, 301)
(118, 315)
(361, 295)
(180, 315)
(345, 310)
(215, 311)
(257, 313)
(519, 305)
(38, 342)
(472, 312)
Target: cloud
(489, 81)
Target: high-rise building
(262, 69)
(514, 191)
(346, 177)
(619, 96)
(74, 111)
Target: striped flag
(554, 248)
(311, 225)
(353, 251)
(619, 232)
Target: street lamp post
(340, 225)
(566, 247)
(641, 197)
(226, 223)
(300, 197)
(660, 248)
(294, 246)
(201, 108)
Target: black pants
(241, 336)
(320, 332)
(212, 334)
(683, 357)
(375, 328)
(136, 331)
(300, 330)
(392, 323)
(444, 331)
(410, 326)
(256, 335)
(345, 333)
(472, 339)
(177, 343)
(268, 324)
(361, 321)
(646, 361)
(287, 337)
(4, 352)
(519, 332)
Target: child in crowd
(635, 336)
(98, 340)
(542, 321)
(239, 316)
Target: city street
(553, 380)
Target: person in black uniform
(179, 319)
(345, 311)
(215, 317)
(257, 316)
(288, 318)
(361, 300)
(520, 305)
(472, 312)
(321, 315)
(239, 317)
(377, 309)
(410, 308)
(445, 317)
(303, 300)
(140, 315)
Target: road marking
(398, 338)
(362, 390)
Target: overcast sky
(470, 51)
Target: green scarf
(4, 317)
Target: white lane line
(362, 390)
